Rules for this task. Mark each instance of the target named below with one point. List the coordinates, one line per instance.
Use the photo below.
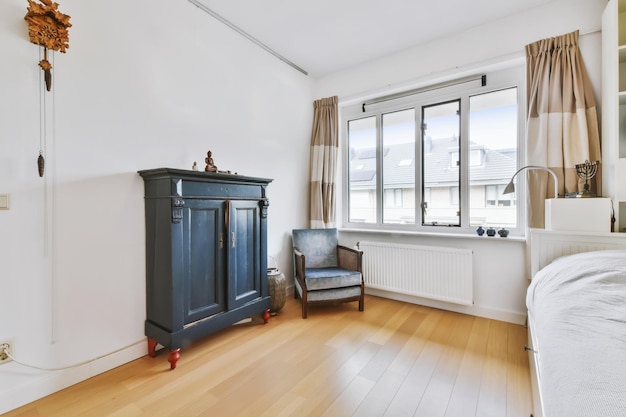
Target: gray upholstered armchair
(325, 270)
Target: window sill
(472, 236)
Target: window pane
(398, 166)
(362, 170)
(440, 164)
(493, 132)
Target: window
(398, 142)
(441, 124)
(493, 127)
(437, 159)
(495, 198)
(362, 170)
(393, 198)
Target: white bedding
(577, 310)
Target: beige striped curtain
(324, 151)
(562, 122)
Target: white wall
(500, 269)
(471, 50)
(144, 84)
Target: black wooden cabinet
(206, 254)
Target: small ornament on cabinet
(210, 165)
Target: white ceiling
(324, 36)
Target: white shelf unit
(614, 108)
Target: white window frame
(499, 79)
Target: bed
(577, 324)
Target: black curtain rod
(482, 78)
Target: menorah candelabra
(585, 171)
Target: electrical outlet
(8, 345)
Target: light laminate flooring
(394, 359)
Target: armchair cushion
(326, 278)
(331, 295)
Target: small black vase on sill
(491, 232)
(480, 231)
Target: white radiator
(438, 273)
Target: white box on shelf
(578, 214)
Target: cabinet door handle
(233, 238)
(221, 240)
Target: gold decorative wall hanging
(47, 27)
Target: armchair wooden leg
(362, 298)
(305, 305)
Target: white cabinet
(614, 108)
(578, 214)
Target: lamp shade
(510, 187)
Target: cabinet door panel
(204, 264)
(244, 255)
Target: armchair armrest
(299, 261)
(349, 258)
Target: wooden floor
(394, 359)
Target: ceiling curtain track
(246, 35)
(482, 78)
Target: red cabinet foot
(152, 347)
(173, 357)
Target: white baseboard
(474, 310)
(508, 316)
(22, 385)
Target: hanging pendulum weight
(41, 162)
(46, 67)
